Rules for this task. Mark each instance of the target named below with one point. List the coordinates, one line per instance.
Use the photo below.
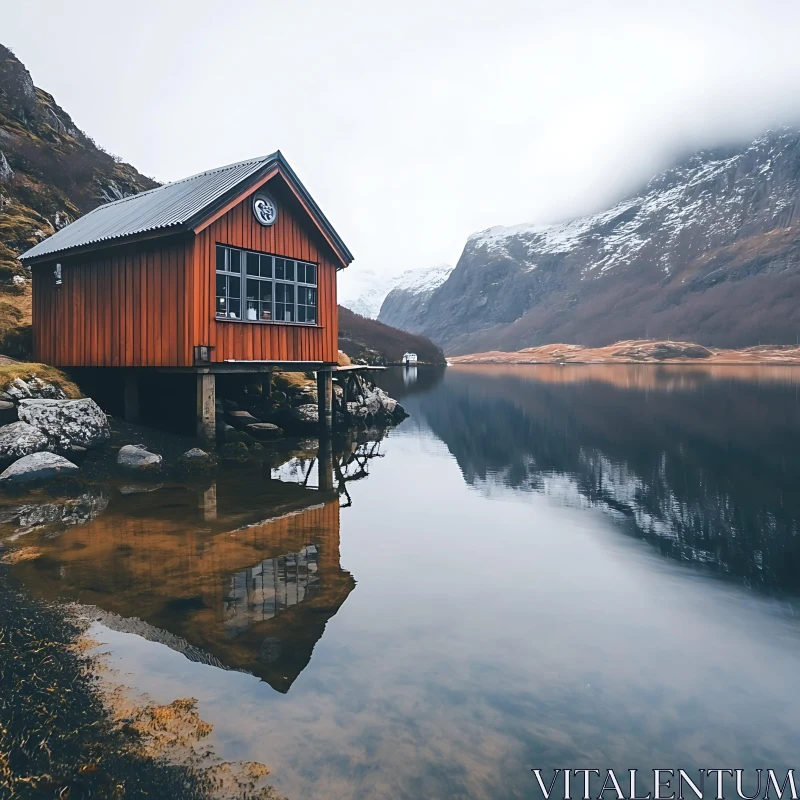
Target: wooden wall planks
(118, 308)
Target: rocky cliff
(50, 171)
(407, 301)
(365, 291)
(708, 251)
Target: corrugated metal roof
(171, 206)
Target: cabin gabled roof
(179, 206)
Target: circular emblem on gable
(264, 209)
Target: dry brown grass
(344, 359)
(291, 381)
(28, 369)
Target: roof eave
(104, 244)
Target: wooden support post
(206, 409)
(208, 503)
(131, 399)
(325, 398)
(325, 461)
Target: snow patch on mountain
(364, 290)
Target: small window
(284, 302)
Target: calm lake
(582, 566)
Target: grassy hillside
(50, 171)
(377, 343)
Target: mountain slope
(376, 343)
(364, 291)
(408, 299)
(709, 251)
(50, 171)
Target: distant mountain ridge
(708, 251)
(364, 291)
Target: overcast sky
(415, 124)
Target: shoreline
(639, 351)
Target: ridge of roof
(174, 206)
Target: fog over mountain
(414, 125)
(708, 251)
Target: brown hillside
(372, 341)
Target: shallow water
(542, 567)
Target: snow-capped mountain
(364, 290)
(709, 250)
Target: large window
(259, 288)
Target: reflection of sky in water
(491, 632)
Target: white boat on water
(410, 359)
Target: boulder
(305, 416)
(8, 412)
(232, 435)
(37, 467)
(21, 439)
(196, 459)
(234, 452)
(67, 423)
(18, 390)
(34, 387)
(241, 419)
(135, 458)
(264, 430)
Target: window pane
(221, 310)
(301, 313)
(235, 260)
(290, 270)
(311, 274)
(289, 293)
(280, 268)
(221, 258)
(266, 290)
(312, 297)
(311, 314)
(252, 289)
(234, 309)
(220, 285)
(252, 263)
(234, 287)
(266, 266)
(266, 311)
(301, 272)
(251, 310)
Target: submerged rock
(37, 467)
(135, 458)
(67, 423)
(21, 439)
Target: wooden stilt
(325, 461)
(131, 399)
(206, 417)
(325, 398)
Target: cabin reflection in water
(243, 574)
(262, 592)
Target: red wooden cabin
(233, 269)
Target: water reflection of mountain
(704, 467)
(243, 575)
